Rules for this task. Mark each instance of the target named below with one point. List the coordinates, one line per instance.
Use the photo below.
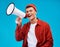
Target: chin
(31, 18)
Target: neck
(34, 20)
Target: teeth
(30, 15)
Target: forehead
(30, 8)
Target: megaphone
(11, 9)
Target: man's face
(31, 13)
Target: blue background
(47, 10)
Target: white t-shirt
(32, 41)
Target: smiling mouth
(29, 15)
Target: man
(35, 33)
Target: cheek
(34, 13)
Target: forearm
(18, 33)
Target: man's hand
(18, 21)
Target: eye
(30, 10)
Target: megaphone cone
(13, 10)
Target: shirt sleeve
(19, 33)
(49, 39)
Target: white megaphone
(13, 10)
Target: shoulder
(43, 23)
